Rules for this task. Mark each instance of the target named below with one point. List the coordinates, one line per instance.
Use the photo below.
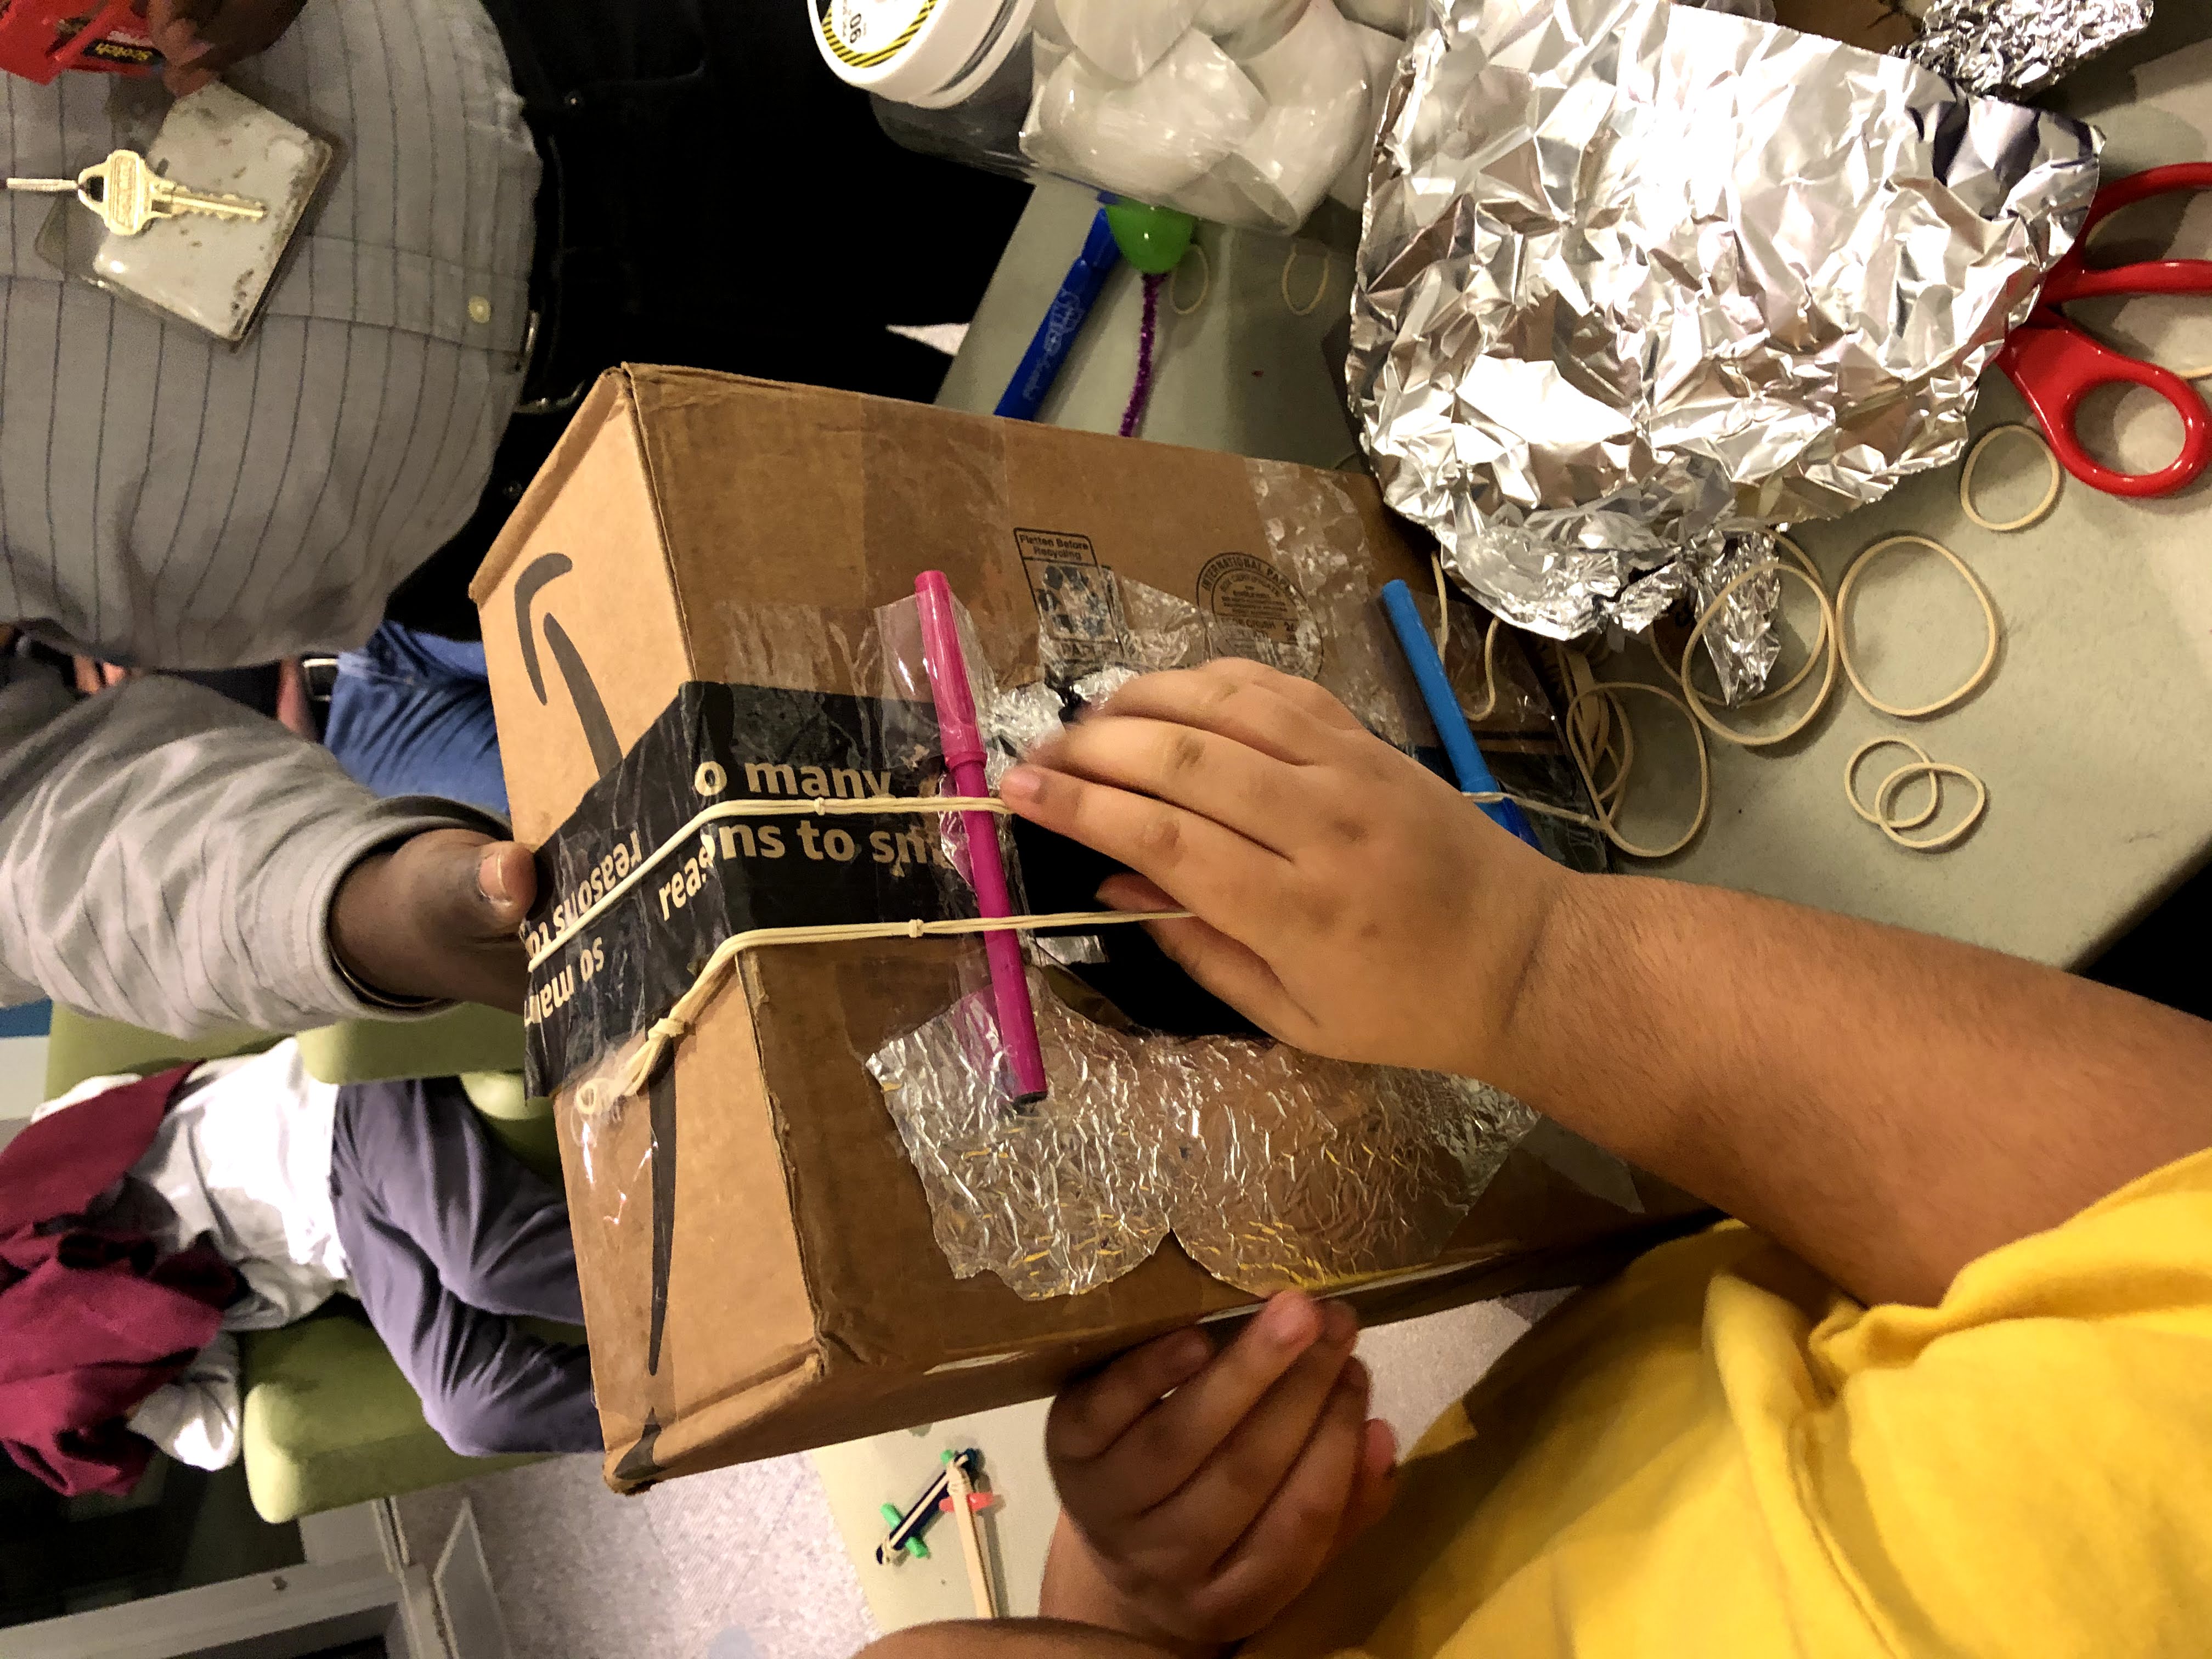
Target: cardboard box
(686, 606)
(1872, 24)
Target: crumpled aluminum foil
(1638, 281)
(2018, 47)
(1273, 1169)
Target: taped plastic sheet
(1307, 609)
(1272, 1169)
(1638, 281)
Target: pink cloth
(92, 1321)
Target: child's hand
(1348, 901)
(1201, 1492)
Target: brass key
(131, 195)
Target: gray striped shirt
(168, 503)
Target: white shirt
(242, 1164)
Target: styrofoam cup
(1150, 137)
(1396, 17)
(1124, 39)
(1213, 198)
(1288, 162)
(1315, 62)
(1381, 53)
(1239, 24)
(1315, 82)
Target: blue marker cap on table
(1467, 762)
(1063, 321)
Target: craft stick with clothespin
(962, 1491)
(904, 1538)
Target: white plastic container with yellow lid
(1245, 112)
(928, 53)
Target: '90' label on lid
(863, 33)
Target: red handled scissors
(2056, 364)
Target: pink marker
(962, 745)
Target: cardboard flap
(1868, 23)
(581, 627)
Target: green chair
(329, 1421)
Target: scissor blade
(2131, 282)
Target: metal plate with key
(193, 214)
(128, 195)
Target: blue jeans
(410, 714)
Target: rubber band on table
(1607, 822)
(1974, 681)
(1676, 668)
(1574, 673)
(2035, 514)
(1932, 770)
(1489, 671)
(1850, 782)
(1825, 646)
(1328, 276)
(1608, 797)
(1594, 731)
(1610, 718)
(1489, 642)
(1206, 286)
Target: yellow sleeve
(1717, 1454)
(2028, 1468)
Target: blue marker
(1079, 291)
(1467, 762)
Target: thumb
(1231, 970)
(1374, 1484)
(505, 888)
(438, 916)
(459, 888)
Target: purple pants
(449, 1241)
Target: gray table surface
(2094, 734)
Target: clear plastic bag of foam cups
(1247, 111)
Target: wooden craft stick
(960, 1490)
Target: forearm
(1888, 1105)
(169, 859)
(1009, 1639)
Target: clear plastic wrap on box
(1272, 1168)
